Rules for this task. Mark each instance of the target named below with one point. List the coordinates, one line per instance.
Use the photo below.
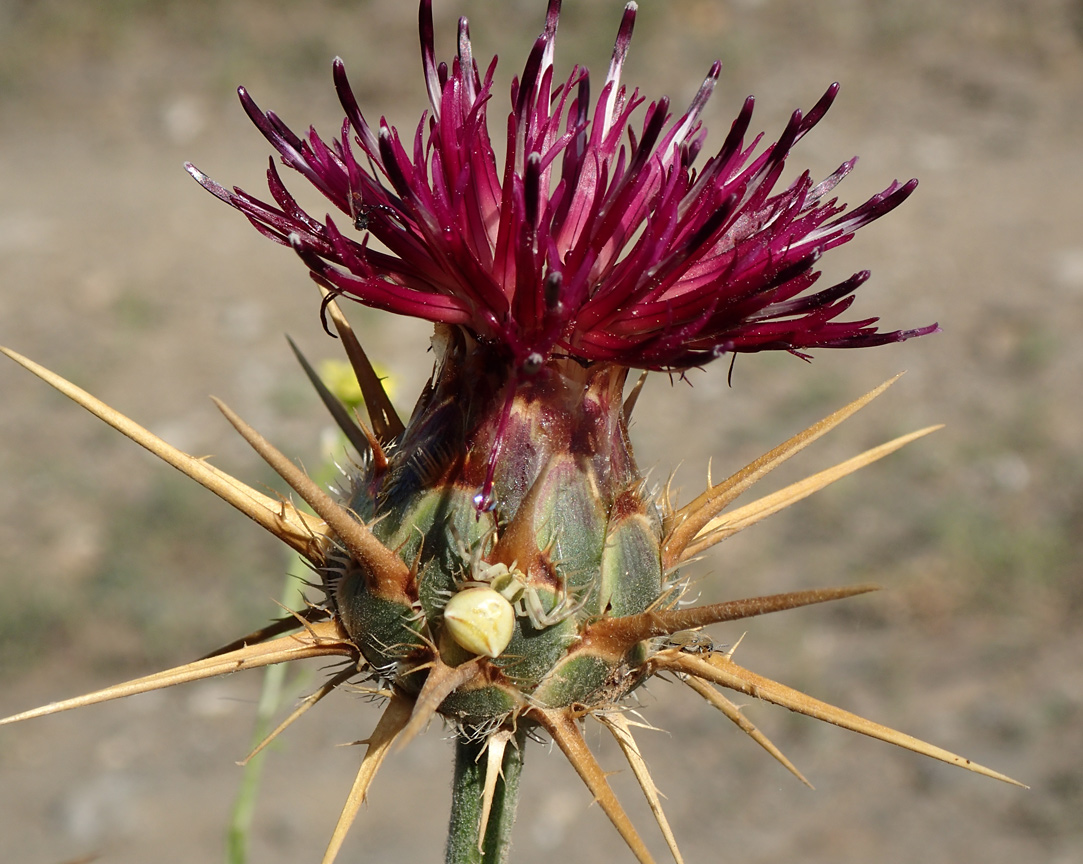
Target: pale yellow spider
(480, 616)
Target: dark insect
(364, 215)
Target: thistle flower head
(598, 238)
(498, 559)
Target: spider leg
(567, 606)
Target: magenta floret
(595, 239)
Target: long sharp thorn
(336, 409)
(565, 731)
(683, 526)
(495, 745)
(298, 530)
(323, 639)
(392, 721)
(275, 628)
(387, 570)
(306, 703)
(442, 680)
(385, 420)
(728, 524)
(616, 635)
(621, 730)
(744, 724)
(723, 671)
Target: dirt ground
(120, 273)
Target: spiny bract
(497, 559)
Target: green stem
(466, 803)
(240, 823)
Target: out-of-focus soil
(120, 273)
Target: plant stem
(270, 699)
(466, 803)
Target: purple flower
(499, 560)
(598, 238)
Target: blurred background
(119, 272)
